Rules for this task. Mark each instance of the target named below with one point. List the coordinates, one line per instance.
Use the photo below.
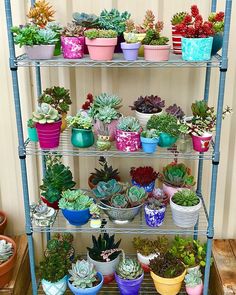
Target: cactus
(73, 30)
(45, 114)
(85, 20)
(97, 33)
(119, 201)
(107, 189)
(185, 198)
(129, 269)
(75, 200)
(193, 278)
(129, 124)
(136, 195)
(178, 18)
(6, 251)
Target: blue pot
(149, 145)
(148, 188)
(32, 134)
(196, 49)
(217, 43)
(154, 218)
(76, 217)
(57, 288)
(89, 291)
(166, 140)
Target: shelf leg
(32, 264)
(48, 234)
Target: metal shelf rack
(206, 220)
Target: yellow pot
(63, 120)
(168, 286)
(140, 37)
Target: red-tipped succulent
(88, 102)
(143, 175)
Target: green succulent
(75, 200)
(80, 121)
(31, 123)
(45, 114)
(85, 20)
(48, 36)
(6, 251)
(68, 237)
(129, 124)
(218, 26)
(129, 269)
(178, 18)
(131, 38)
(119, 201)
(136, 195)
(55, 246)
(201, 109)
(150, 133)
(153, 38)
(107, 189)
(186, 198)
(97, 33)
(146, 247)
(107, 114)
(94, 210)
(164, 123)
(193, 278)
(55, 27)
(73, 30)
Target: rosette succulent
(129, 269)
(193, 278)
(176, 111)
(107, 189)
(186, 198)
(119, 201)
(129, 124)
(75, 200)
(80, 121)
(148, 104)
(107, 114)
(73, 30)
(45, 114)
(6, 251)
(85, 20)
(136, 195)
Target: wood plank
(233, 246)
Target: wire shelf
(117, 62)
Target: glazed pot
(77, 217)
(145, 260)
(166, 286)
(196, 49)
(3, 223)
(72, 47)
(156, 52)
(197, 290)
(149, 145)
(82, 138)
(107, 269)
(101, 48)
(129, 287)
(127, 141)
(110, 126)
(32, 134)
(130, 50)
(57, 288)
(217, 43)
(201, 143)
(92, 186)
(170, 190)
(6, 268)
(63, 121)
(89, 291)
(154, 217)
(144, 117)
(103, 142)
(148, 188)
(40, 51)
(53, 205)
(177, 41)
(49, 134)
(166, 140)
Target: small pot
(197, 290)
(166, 140)
(217, 43)
(77, 217)
(171, 190)
(196, 49)
(177, 41)
(63, 121)
(189, 269)
(130, 50)
(140, 37)
(101, 48)
(148, 188)
(110, 126)
(89, 291)
(156, 52)
(144, 117)
(149, 145)
(49, 134)
(82, 138)
(201, 143)
(57, 288)
(95, 222)
(154, 218)
(72, 47)
(53, 205)
(40, 51)
(3, 223)
(129, 287)
(92, 186)
(127, 141)
(6, 268)
(145, 260)
(103, 142)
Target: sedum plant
(129, 124)
(150, 133)
(6, 251)
(107, 189)
(73, 30)
(178, 18)
(129, 269)
(98, 33)
(217, 20)
(107, 115)
(193, 278)
(186, 198)
(146, 246)
(85, 20)
(148, 104)
(80, 121)
(143, 175)
(45, 114)
(41, 13)
(153, 37)
(75, 200)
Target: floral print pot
(72, 47)
(57, 288)
(127, 141)
(154, 218)
(196, 49)
(201, 143)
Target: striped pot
(177, 42)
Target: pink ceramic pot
(177, 41)
(127, 141)
(72, 47)
(201, 143)
(111, 128)
(49, 134)
(101, 48)
(170, 190)
(156, 52)
(195, 290)
(40, 51)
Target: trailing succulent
(185, 198)
(178, 18)
(41, 13)
(193, 278)
(80, 121)
(75, 200)
(73, 30)
(143, 175)
(6, 251)
(45, 114)
(148, 104)
(98, 33)
(129, 269)
(147, 246)
(85, 20)
(129, 124)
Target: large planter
(107, 269)
(177, 41)
(166, 286)
(149, 145)
(127, 141)
(184, 216)
(101, 48)
(153, 217)
(197, 290)
(166, 140)
(32, 134)
(72, 47)
(82, 138)
(217, 43)
(201, 143)
(170, 190)
(145, 260)
(6, 268)
(40, 51)
(89, 291)
(3, 222)
(156, 52)
(110, 126)
(53, 205)
(57, 288)
(130, 50)
(143, 117)
(77, 217)
(196, 49)
(129, 287)
(92, 186)
(148, 188)
(49, 134)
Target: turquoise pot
(166, 140)
(32, 134)
(82, 138)
(217, 43)
(196, 49)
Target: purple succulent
(148, 104)
(175, 111)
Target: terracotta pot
(6, 268)
(92, 186)
(156, 52)
(53, 205)
(177, 41)
(63, 121)
(3, 224)
(40, 51)
(101, 48)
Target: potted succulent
(167, 126)
(159, 195)
(129, 276)
(105, 174)
(196, 36)
(41, 13)
(176, 37)
(217, 19)
(39, 43)
(3, 222)
(185, 206)
(149, 139)
(72, 41)
(176, 111)
(82, 134)
(32, 132)
(75, 206)
(95, 220)
(42, 214)
(59, 99)
(154, 211)
(88, 102)
(101, 43)
(57, 28)
(175, 177)
(144, 177)
(130, 47)
(148, 249)
(85, 20)
(105, 255)
(167, 273)
(193, 282)
(84, 279)
(128, 134)
(146, 106)
(48, 125)
(7, 259)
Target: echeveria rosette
(107, 189)
(136, 195)
(6, 251)
(129, 269)
(107, 114)
(75, 200)
(129, 124)
(45, 114)
(119, 201)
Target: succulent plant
(129, 124)
(178, 18)
(176, 111)
(75, 200)
(94, 210)
(88, 102)
(68, 237)
(6, 251)
(85, 20)
(107, 114)
(146, 246)
(41, 13)
(153, 38)
(55, 27)
(136, 195)
(97, 33)
(107, 189)
(131, 38)
(154, 204)
(143, 175)
(193, 278)
(150, 133)
(73, 30)
(83, 274)
(80, 121)
(129, 269)
(149, 19)
(148, 104)
(55, 246)
(45, 114)
(119, 201)
(129, 26)
(31, 123)
(48, 36)
(217, 20)
(186, 198)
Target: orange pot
(3, 224)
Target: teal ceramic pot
(82, 138)
(32, 134)
(166, 140)
(196, 49)
(217, 43)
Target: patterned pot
(148, 188)
(40, 51)
(72, 47)
(154, 218)
(57, 288)
(103, 143)
(156, 52)
(201, 143)
(127, 141)
(196, 49)
(177, 41)
(217, 43)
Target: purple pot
(130, 50)
(154, 218)
(72, 47)
(129, 287)
(49, 134)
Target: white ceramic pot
(143, 118)
(40, 51)
(105, 268)
(57, 288)
(146, 259)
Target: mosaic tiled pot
(196, 49)
(127, 141)
(72, 47)
(217, 43)
(201, 143)
(154, 218)
(148, 188)
(129, 287)
(57, 288)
